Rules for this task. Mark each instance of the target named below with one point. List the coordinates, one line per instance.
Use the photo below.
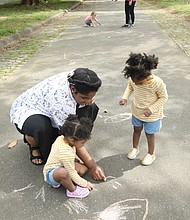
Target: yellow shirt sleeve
(152, 95)
(128, 90)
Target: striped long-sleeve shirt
(151, 95)
(63, 155)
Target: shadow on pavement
(116, 165)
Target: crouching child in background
(89, 20)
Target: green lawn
(181, 7)
(15, 17)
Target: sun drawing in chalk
(126, 209)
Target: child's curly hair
(139, 66)
(78, 129)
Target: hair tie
(70, 74)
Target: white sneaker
(133, 153)
(148, 159)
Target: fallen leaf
(12, 144)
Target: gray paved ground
(158, 192)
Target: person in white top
(39, 112)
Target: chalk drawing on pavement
(127, 209)
(116, 118)
(15, 193)
(22, 189)
(41, 194)
(76, 206)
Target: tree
(31, 2)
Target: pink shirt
(88, 18)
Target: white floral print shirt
(51, 97)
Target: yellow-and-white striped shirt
(153, 95)
(63, 155)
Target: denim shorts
(50, 179)
(149, 127)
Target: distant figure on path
(89, 20)
(129, 13)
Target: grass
(15, 17)
(180, 7)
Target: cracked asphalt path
(160, 191)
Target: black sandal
(32, 157)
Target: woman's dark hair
(139, 66)
(79, 129)
(85, 80)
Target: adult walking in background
(39, 112)
(129, 13)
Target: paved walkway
(160, 191)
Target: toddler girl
(61, 167)
(89, 20)
(150, 94)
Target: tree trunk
(30, 2)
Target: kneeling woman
(41, 110)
